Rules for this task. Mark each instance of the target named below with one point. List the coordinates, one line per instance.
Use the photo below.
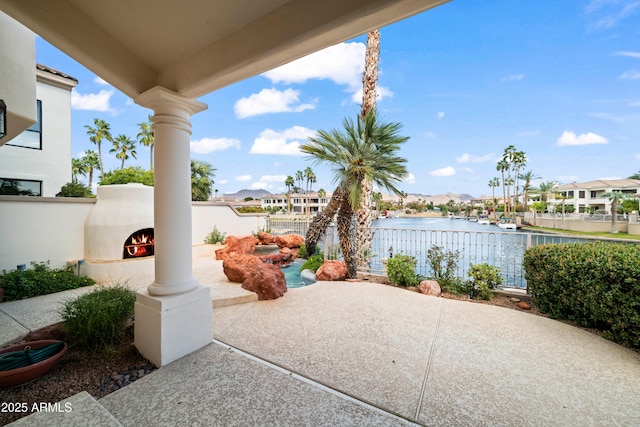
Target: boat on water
(507, 224)
(483, 220)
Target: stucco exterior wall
(51, 164)
(53, 228)
(590, 226)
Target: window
(581, 194)
(571, 193)
(593, 194)
(20, 187)
(32, 137)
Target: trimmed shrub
(127, 175)
(401, 270)
(75, 189)
(40, 280)
(594, 284)
(215, 237)
(99, 320)
(482, 279)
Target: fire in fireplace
(139, 244)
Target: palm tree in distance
(527, 177)
(123, 147)
(493, 183)
(322, 193)
(100, 131)
(310, 178)
(91, 162)
(77, 168)
(502, 167)
(366, 150)
(146, 138)
(299, 179)
(290, 183)
(202, 174)
(616, 197)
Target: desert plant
(215, 237)
(99, 320)
(482, 279)
(443, 265)
(39, 280)
(302, 252)
(401, 270)
(314, 262)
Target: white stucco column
(173, 315)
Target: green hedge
(595, 284)
(39, 280)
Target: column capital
(160, 99)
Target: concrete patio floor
(337, 353)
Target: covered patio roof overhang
(164, 54)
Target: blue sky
(559, 80)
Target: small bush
(482, 279)
(401, 270)
(75, 189)
(40, 280)
(314, 262)
(443, 265)
(595, 284)
(215, 237)
(97, 321)
(127, 175)
(302, 253)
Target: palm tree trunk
(90, 177)
(100, 161)
(321, 221)
(369, 98)
(151, 158)
(614, 216)
(347, 231)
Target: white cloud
(208, 145)
(244, 178)
(223, 181)
(440, 115)
(92, 101)
(631, 74)
(570, 138)
(513, 77)
(259, 186)
(342, 63)
(447, 171)
(611, 11)
(271, 101)
(627, 53)
(410, 178)
(470, 158)
(382, 92)
(285, 143)
(100, 81)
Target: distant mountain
(243, 194)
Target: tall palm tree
(91, 162)
(615, 197)
(299, 180)
(202, 174)
(502, 167)
(527, 177)
(289, 182)
(493, 183)
(366, 150)
(146, 138)
(369, 100)
(321, 195)
(310, 179)
(101, 130)
(376, 198)
(545, 190)
(518, 161)
(123, 146)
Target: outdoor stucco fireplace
(119, 235)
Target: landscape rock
(266, 238)
(332, 271)
(290, 241)
(267, 281)
(237, 245)
(430, 287)
(523, 305)
(238, 266)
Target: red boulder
(332, 271)
(290, 241)
(267, 281)
(237, 245)
(266, 238)
(430, 287)
(238, 266)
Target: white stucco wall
(42, 228)
(51, 164)
(18, 71)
